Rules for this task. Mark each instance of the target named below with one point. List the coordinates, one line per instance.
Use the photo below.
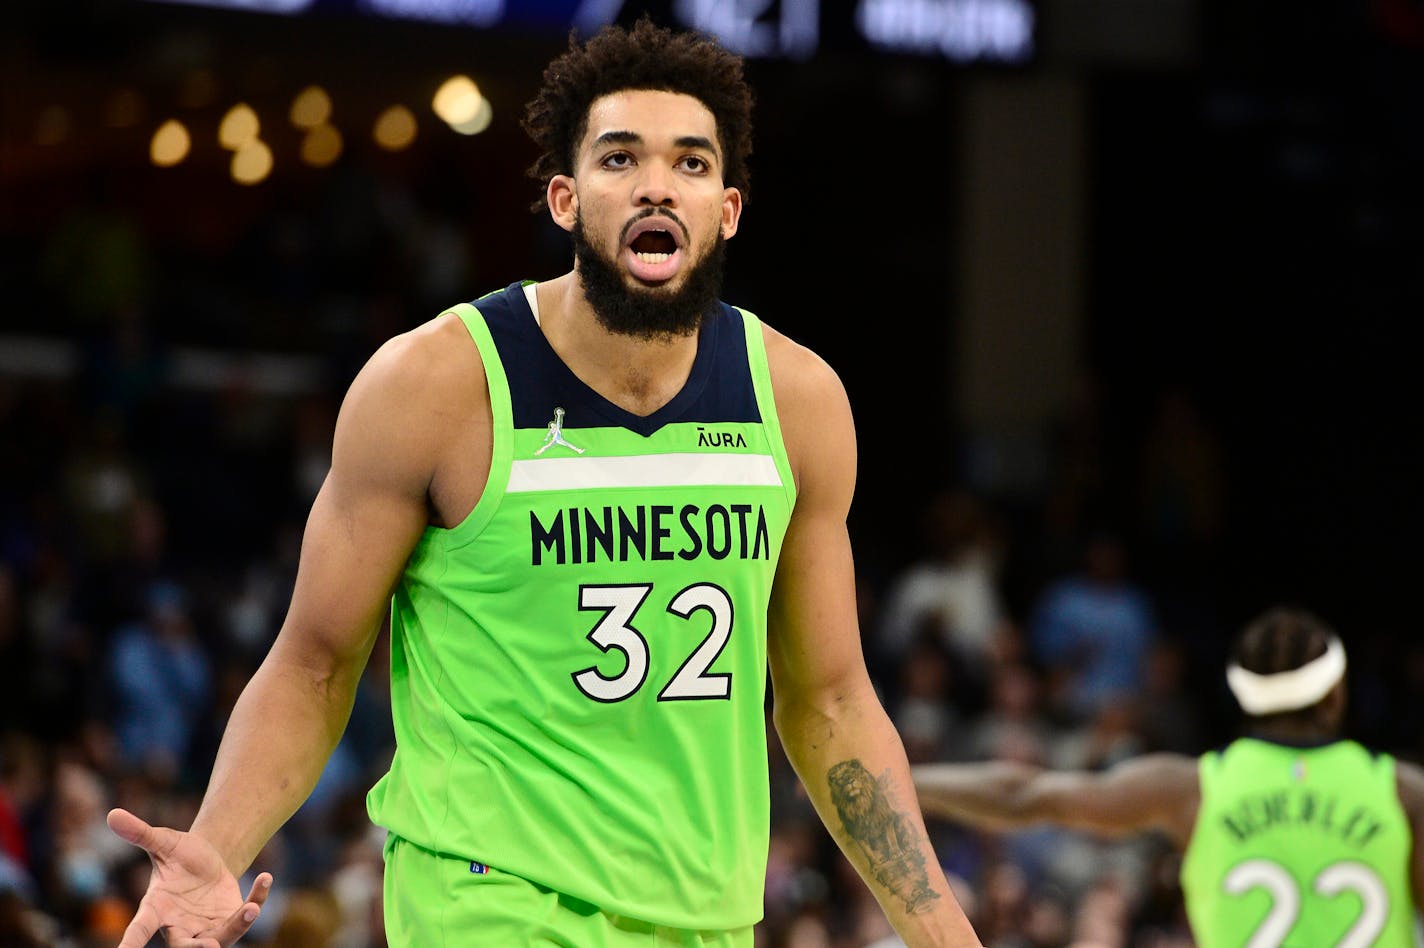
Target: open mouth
(653, 246)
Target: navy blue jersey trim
(718, 389)
(1296, 743)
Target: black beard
(647, 313)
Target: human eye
(618, 159)
(696, 164)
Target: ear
(731, 211)
(562, 197)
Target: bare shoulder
(405, 402)
(816, 422)
(798, 374)
(1409, 780)
(432, 358)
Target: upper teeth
(652, 257)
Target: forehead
(652, 114)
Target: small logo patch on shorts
(479, 868)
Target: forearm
(994, 795)
(851, 760)
(277, 741)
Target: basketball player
(1292, 835)
(596, 508)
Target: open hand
(192, 896)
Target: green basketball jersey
(578, 670)
(1299, 847)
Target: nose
(656, 187)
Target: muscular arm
(1158, 791)
(1409, 781)
(835, 732)
(362, 527)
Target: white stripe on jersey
(643, 470)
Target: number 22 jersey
(1303, 847)
(578, 668)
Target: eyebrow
(618, 138)
(696, 141)
(624, 137)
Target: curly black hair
(1281, 639)
(643, 57)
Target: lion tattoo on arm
(887, 838)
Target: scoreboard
(958, 31)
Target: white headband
(1288, 690)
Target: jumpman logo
(556, 435)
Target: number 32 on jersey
(615, 631)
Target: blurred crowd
(150, 523)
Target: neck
(1295, 735)
(638, 375)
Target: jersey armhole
(766, 400)
(502, 433)
(1205, 764)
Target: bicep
(365, 521)
(356, 543)
(814, 635)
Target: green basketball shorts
(435, 901)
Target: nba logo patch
(479, 868)
(1298, 771)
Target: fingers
(260, 887)
(141, 929)
(238, 923)
(156, 840)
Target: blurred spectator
(104, 486)
(1094, 629)
(312, 919)
(84, 850)
(356, 884)
(1174, 719)
(1109, 738)
(928, 723)
(1014, 717)
(162, 677)
(795, 885)
(21, 926)
(1102, 916)
(950, 592)
(1004, 906)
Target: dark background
(1252, 233)
(1251, 239)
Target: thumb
(155, 840)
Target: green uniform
(1299, 847)
(578, 669)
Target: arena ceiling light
(457, 101)
(239, 126)
(170, 144)
(310, 108)
(395, 128)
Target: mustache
(650, 212)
